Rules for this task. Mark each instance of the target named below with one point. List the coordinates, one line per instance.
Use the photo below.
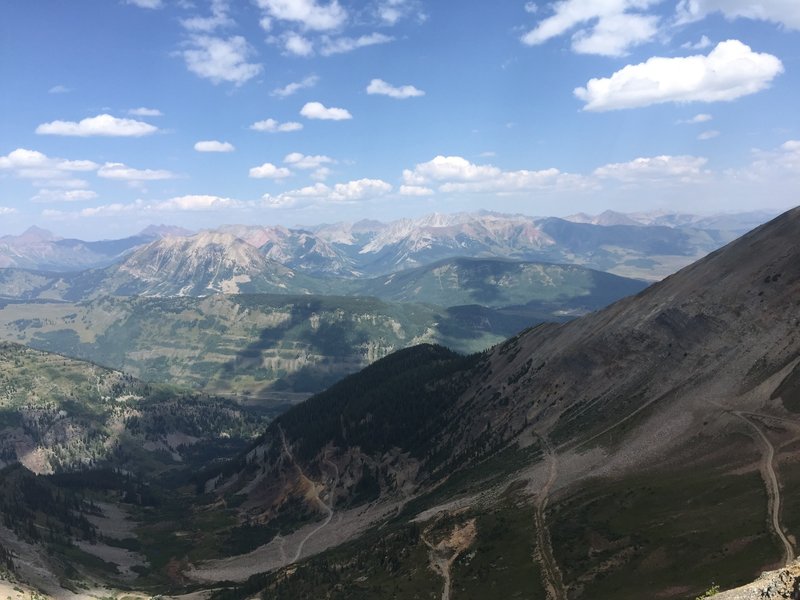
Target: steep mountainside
(658, 437)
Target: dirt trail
(444, 554)
(773, 488)
(328, 507)
(551, 574)
(769, 475)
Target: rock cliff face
(774, 585)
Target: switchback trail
(773, 488)
(551, 574)
(770, 477)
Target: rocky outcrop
(783, 583)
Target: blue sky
(116, 114)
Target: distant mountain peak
(163, 230)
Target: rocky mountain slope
(657, 436)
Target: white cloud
(219, 18)
(31, 164)
(296, 44)
(656, 169)
(303, 161)
(220, 60)
(296, 86)
(390, 12)
(145, 112)
(342, 45)
(379, 86)
(7, 210)
(308, 13)
(146, 3)
(701, 44)
(273, 126)
(59, 89)
(213, 146)
(316, 110)
(730, 71)
(531, 7)
(101, 125)
(614, 29)
(448, 168)
(777, 166)
(698, 118)
(456, 174)
(121, 171)
(269, 171)
(50, 195)
(708, 135)
(352, 191)
(198, 203)
(783, 12)
(415, 190)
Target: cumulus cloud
(213, 146)
(309, 14)
(390, 12)
(296, 86)
(273, 126)
(341, 45)
(296, 44)
(730, 71)
(220, 59)
(352, 191)
(59, 89)
(31, 164)
(145, 112)
(303, 161)
(198, 203)
(120, 171)
(415, 190)
(616, 25)
(7, 210)
(101, 125)
(219, 18)
(783, 12)
(448, 168)
(51, 195)
(380, 87)
(317, 110)
(656, 169)
(456, 174)
(269, 171)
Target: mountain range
(647, 246)
(644, 450)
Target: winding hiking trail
(769, 475)
(773, 488)
(328, 507)
(551, 574)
